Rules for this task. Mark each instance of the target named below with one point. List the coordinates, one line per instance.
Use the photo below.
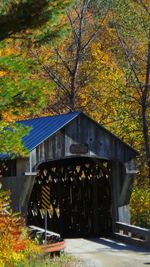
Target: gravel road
(106, 253)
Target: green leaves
(30, 19)
(11, 139)
(23, 92)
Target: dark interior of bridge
(76, 194)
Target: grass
(63, 260)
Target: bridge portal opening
(77, 195)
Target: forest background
(60, 56)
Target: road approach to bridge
(101, 252)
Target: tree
(139, 67)
(65, 65)
(32, 21)
(129, 41)
(24, 24)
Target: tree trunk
(144, 110)
(72, 102)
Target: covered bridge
(78, 170)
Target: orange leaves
(3, 73)
(8, 51)
(8, 117)
(14, 243)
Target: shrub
(15, 246)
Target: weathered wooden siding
(101, 144)
(15, 184)
(81, 130)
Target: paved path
(107, 253)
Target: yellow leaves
(139, 206)
(98, 97)
(3, 73)
(8, 51)
(11, 48)
(7, 116)
(103, 57)
(44, 53)
(98, 53)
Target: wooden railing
(133, 233)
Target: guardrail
(42, 230)
(50, 242)
(133, 233)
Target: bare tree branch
(144, 6)
(91, 38)
(55, 78)
(63, 60)
(129, 60)
(79, 40)
(77, 13)
(50, 73)
(75, 34)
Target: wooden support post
(45, 226)
(114, 180)
(26, 192)
(95, 209)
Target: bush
(15, 246)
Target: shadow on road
(114, 245)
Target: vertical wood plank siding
(100, 142)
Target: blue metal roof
(44, 127)
(5, 156)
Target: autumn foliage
(110, 77)
(15, 246)
(140, 207)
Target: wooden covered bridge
(78, 170)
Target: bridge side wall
(101, 144)
(81, 130)
(15, 183)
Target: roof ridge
(50, 116)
